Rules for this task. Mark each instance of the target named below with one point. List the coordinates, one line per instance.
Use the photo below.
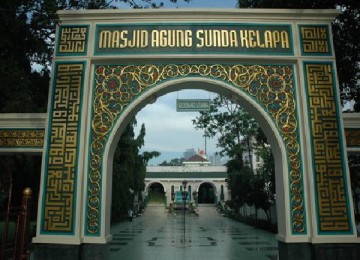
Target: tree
(240, 178)
(239, 133)
(19, 48)
(259, 196)
(26, 48)
(27, 44)
(173, 162)
(263, 193)
(128, 171)
(25, 172)
(267, 168)
(346, 42)
(231, 123)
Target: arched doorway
(238, 95)
(155, 193)
(206, 193)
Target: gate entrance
(279, 64)
(156, 193)
(206, 194)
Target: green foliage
(25, 172)
(346, 40)
(249, 188)
(260, 195)
(267, 169)
(129, 168)
(22, 90)
(231, 123)
(147, 156)
(253, 189)
(239, 182)
(239, 133)
(173, 162)
(26, 46)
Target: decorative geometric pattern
(24, 138)
(352, 137)
(72, 40)
(271, 86)
(315, 40)
(328, 162)
(62, 150)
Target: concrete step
(207, 210)
(155, 209)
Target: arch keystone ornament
(279, 64)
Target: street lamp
(173, 198)
(184, 197)
(184, 183)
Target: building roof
(181, 169)
(185, 172)
(197, 158)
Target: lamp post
(184, 197)
(184, 183)
(173, 198)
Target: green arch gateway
(279, 64)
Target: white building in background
(215, 160)
(209, 182)
(253, 157)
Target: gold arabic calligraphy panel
(315, 40)
(62, 149)
(271, 86)
(332, 208)
(73, 40)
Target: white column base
(319, 240)
(336, 240)
(293, 239)
(56, 239)
(97, 240)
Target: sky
(170, 132)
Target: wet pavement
(160, 236)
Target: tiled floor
(161, 237)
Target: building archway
(207, 193)
(274, 72)
(155, 192)
(238, 95)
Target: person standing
(130, 214)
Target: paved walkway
(158, 236)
